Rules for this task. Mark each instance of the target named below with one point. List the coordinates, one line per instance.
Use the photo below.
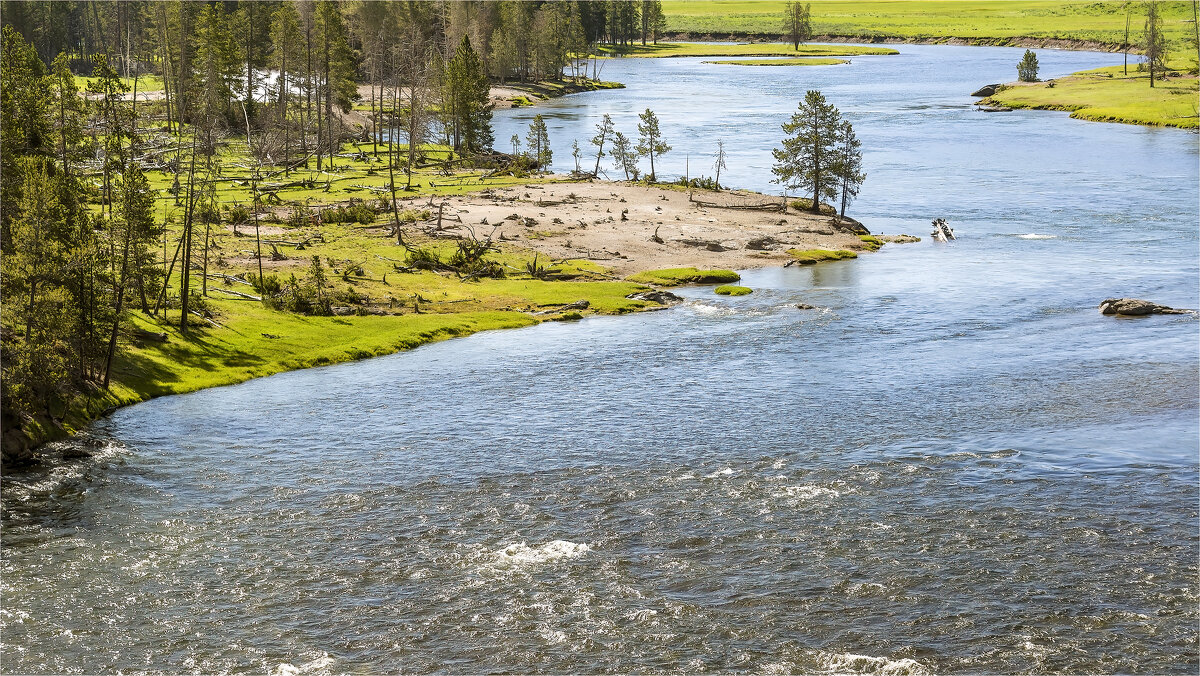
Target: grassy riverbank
(781, 62)
(1110, 95)
(674, 49)
(554, 251)
(976, 22)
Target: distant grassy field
(1108, 95)
(781, 62)
(931, 19)
(666, 49)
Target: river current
(955, 465)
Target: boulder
(1135, 307)
(986, 90)
(806, 306)
(663, 297)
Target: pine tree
(625, 156)
(538, 142)
(848, 165)
(808, 154)
(650, 141)
(1154, 44)
(466, 101)
(1027, 68)
(286, 60)
(603, 131)
(336, 69)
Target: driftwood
(228, 278)
(239, 294)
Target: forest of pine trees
(78, 235)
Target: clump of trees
(820, 153)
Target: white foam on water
(850, 663)
(719, 473)
(553, 635)
(1034, 235)
(807, 492)
(520, 555)
(318, 665)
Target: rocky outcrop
(664, 297)
(986, 90)
(1134, 307)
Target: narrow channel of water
(956, 465)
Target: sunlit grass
(988, 21)
(1109, 95)
(669, 49)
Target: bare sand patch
(615, 224)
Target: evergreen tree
(337, 70)
(538, 143)
(625, 156)
(650, 141)
(603, 131)
(24, 125)
(286, 59)
(654, 22)
(1027, 68)
(465, 101)
(808, 155)
(1154, 43)
(848, 165)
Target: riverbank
(557, 249)
(518, 95)
(1073, 24)
(1109, 95)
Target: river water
(957, 465)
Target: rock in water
(664, 297)
(986, 90)
(1134, 307)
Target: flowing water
(956, 465)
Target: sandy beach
(615, 224)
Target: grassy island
(1110, 95)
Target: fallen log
(239, 294)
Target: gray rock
(663, 297)
(1135, 307)
(806, 306)
(986, 90)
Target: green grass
(254, 341)
(1109, 95)
(732, 290)
(781, 62)
(677, 276)
(810, 256)
(146, 83)
(986, 22)
(670, 49)
(871, 242)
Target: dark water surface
(957, 466)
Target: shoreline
(600, 232)
(1072, 44)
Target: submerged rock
(1135, 307)
(663, 297)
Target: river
(956, 465)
